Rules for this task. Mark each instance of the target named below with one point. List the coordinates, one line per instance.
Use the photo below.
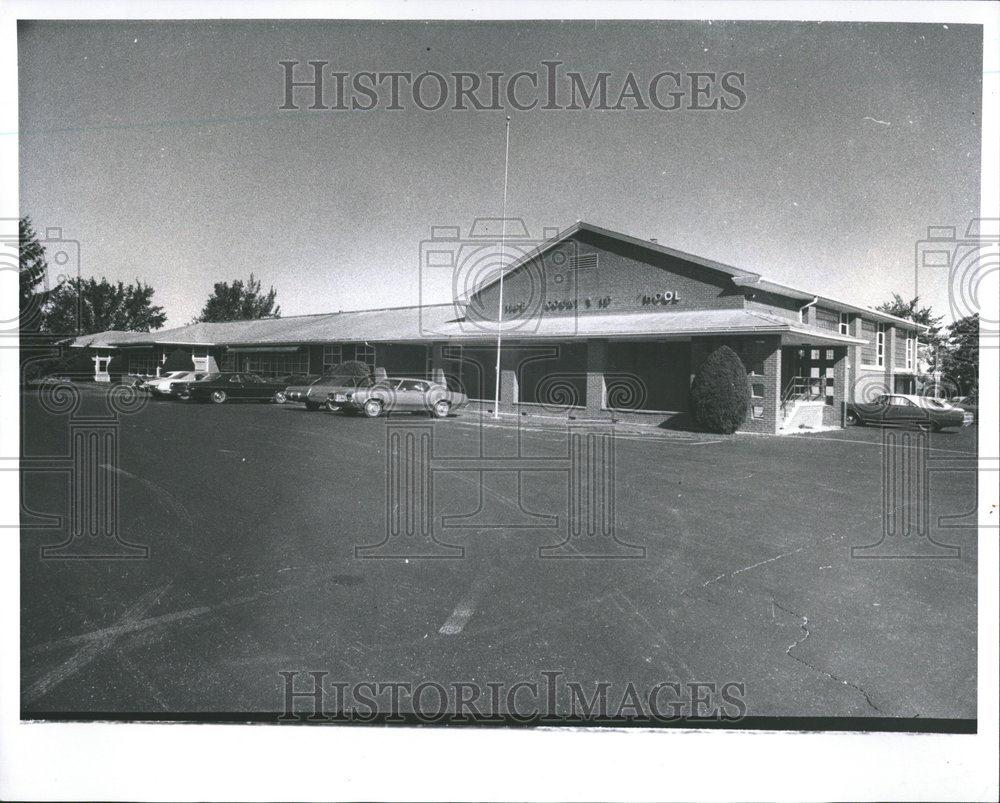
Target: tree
(32, 268)
(960, 360)
(178, 360)
(930, 340)
(720, 396)
(86, 306)
(240, 302)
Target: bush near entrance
(178, 360)
(720, 396)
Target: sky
(160, 147)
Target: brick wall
(624, 276)
(833, 414)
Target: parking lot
(730, 560)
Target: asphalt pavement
(828, 575)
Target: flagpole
(503, 244)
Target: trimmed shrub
(178, 360)
(720, 397)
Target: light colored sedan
(400, 396)
(161, 385)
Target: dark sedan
(900, 409)
(244, 387)
(316, 393)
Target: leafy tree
(240, 302)
(960, 362)
(932, 340)
(86, 306)
(178, 360)
(720, 396)
(32, 267)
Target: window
(332, 356)
(142, 364)
(880, 345)
(845, 323)
(273, 363)
(909, 353)
(756, 400)
(366, 354)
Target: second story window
(845, 323)
(909, 353)
(880, 345)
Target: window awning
(259, 349)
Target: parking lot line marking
(463, 612)
(458, 619)
(89, 651)
(807, 437)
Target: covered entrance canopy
(633, 326)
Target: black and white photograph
(508, 401)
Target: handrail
(800, 388)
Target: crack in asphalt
(735, 572)
(797, 642)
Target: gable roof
(739, 277)
(581, 226)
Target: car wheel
(279, 397)
(218, 396)
(854, 420)
(333, 407)
(441, 409)
(373, 408)
(312, 407)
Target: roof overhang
(839, 306)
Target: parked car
(162, 385)
(968, 403)
(223, 387)
(182, 390)
(400, 395)
(902, 409)
(316, 393)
